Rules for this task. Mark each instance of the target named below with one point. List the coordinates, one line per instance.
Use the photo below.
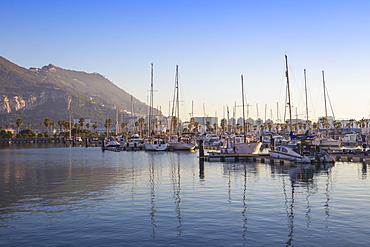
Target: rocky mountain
(55, 93)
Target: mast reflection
(245, 169)
(302, 175)
(176, 184)
(152, 197)
(244, 212)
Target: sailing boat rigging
(178, 141)
(326, 142)
(154, 144)
(300, 149)
(288, 151)
(240, 144)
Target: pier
(263, 158)
(33, 140)
(361, 157)
(266, 158)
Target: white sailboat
(240, 144)
(288, 151)
(177, 141)
(154, 143)
(323, 141)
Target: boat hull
(181, 146)
(155, 147)
(284, 152)
(243, 148)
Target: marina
(184, 124)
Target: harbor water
(85, 197)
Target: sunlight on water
(82, 196)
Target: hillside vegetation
(56, 93)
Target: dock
(266, 158)
(262, 158)
(361, 157)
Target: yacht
(236, 145)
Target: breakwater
(33, 140)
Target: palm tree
(191, 124)
(315, 126)
(94, 126)
(351, 122)
(81, 122)
(323, 121)
(123, 125)
(215, 126)
(88, 125)
(141, 123)
(41, 123)
(362, 123)
(300, 125)
(19, 122)
(196, 126)
(47, 124)
(223, 124)
(337, 124)
(209, 126)
(269, 126)
(61, 124)
(108, 123)
(67, 125)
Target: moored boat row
(155, 143)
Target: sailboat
(301, 147)
(324, 141)
(178, 141)
(240, 144)
(153, 144)
(289, 152)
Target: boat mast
(70, 126)
(151, 100)
(132, 115)
(175, 103)
(288, 89)
(243, 108)
(305, 89)
(323, 82)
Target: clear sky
(213, 42)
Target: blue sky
(212, 42)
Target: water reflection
(299, 176)
(302, 175)
(247, 170)
(152, 197)
(244, 212)
(289, 209)
(364, 170)
(161, 199)
(176, 186)
(51, 183)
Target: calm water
(84, 197)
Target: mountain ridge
(52, 92)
